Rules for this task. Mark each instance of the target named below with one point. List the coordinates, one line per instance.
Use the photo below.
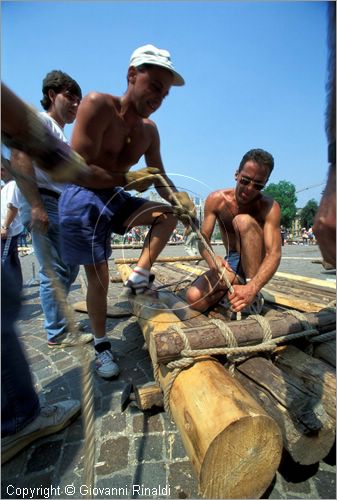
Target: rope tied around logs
(233, 351)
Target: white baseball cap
(149, 54)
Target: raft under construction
(240, 390)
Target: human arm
(324, 227)
(244, 295)
(10, 215)
(165, 187)
(214, 201)
(26, 181)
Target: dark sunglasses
(247, 180)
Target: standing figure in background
(61, 98)
(11, 226)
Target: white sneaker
(105, 365)
(51, 419)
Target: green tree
(284, 193)
(308, 213)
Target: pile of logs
(234, 428)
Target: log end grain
(250, 451)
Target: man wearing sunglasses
(249, 223)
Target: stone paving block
(113, 455)
(182, 481)
(325, 482)
(152, 476)
(149, 448)
(147, 423)
(113, 423)
(44, 455)
(174, 447)
(116, 486)
(72, 461)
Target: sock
(138, 275)
(99, 340)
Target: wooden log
(182, 258)
(168, 344)
(318, 377)
(148, 395)
(113, 310)
(308, 431)
(326, 351)
(233, 445)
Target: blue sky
(255, 76)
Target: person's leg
(249, 243)
(12, 260)
(47, 249)
(19, 401)
(98, 284)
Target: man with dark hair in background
(249, 223)
(61, 98)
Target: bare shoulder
(217, 198)
(270, 207)
(150, 127)
(100, 101)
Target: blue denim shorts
(234, 260)
(87, 219)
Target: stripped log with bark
(167, 345)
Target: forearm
(165, 187)
(266, 271)
(10, 216)
(26, 179)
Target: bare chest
(122, 148)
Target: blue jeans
(19, 401)
(47, 248)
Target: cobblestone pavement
(132, 448)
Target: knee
(195, 299)
(168, 219)
(243, 223)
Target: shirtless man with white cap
(112, 134)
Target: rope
(87, 379)
(234, 352)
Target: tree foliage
(284, 193)
(308, 213)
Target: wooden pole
(168, 344)
(183, 258)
